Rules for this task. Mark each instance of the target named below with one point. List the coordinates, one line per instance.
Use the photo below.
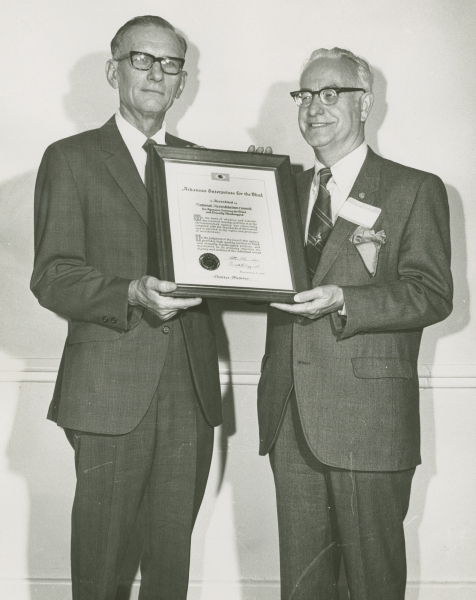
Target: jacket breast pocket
(377, 367)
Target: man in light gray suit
(338, 398)
(138, 387)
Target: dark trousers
(162, 465)
(325, 513)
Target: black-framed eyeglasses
(328, 95)
(142, 61)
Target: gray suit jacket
(356, 379)
(90, 242)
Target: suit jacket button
(300, 319)
(113, 320)
(165, 329)
(105, 319)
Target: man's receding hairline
(362, 71)
(138, 26)
(350, 62)
(145, 21)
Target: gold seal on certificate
(209, 261)
(228, 223)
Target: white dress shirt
(135, 139)
(344, 173)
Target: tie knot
(324, 176)
(147, 143)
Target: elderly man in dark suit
(338, 398)
(138, 387)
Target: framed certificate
(228, 224)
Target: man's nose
(155, 72)
(317, 107)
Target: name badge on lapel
(359, 212)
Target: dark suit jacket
(356, 379)
(90, 242)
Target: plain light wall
(244, 58)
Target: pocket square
(368, 244)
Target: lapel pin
(361, 195)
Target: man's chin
(317, 140)
(150, 109)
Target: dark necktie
(320, 224)
(152, 252)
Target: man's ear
(366, 103)
(183, 81)
(111, 73)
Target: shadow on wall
(460, 316)
(278, 127)
(36, 517)
(91, 101)
(379, 110)
(37, 452)
(456, 322)
(16, 340)
(190, 92)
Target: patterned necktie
(320, 224)
(152, 252)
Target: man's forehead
(328, 71)
(149, 36)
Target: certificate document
(226, 227)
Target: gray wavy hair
(364, 76)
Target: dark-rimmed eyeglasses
(328, 95)
(142, 61)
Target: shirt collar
(345, 171)
(134, 138)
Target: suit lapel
(365, 190)
(121, 166)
